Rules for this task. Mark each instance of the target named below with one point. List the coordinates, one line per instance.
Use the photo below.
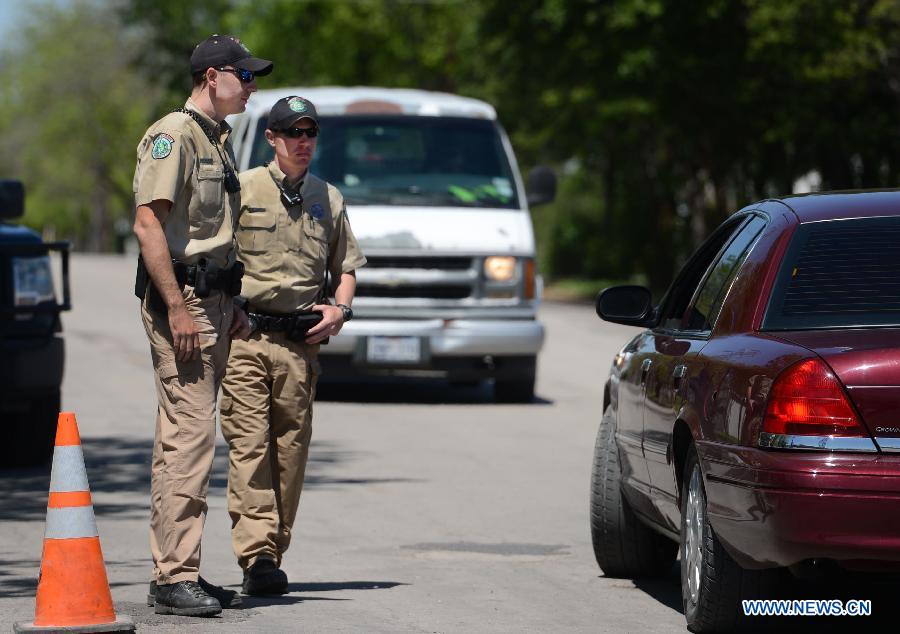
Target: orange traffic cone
(73, 592)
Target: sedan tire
(712, 583)
(623, 545)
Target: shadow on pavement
(119, 469)
(880, 588)
(332, 586)
(260, 602)
(666, 590)
(17, 577)
(411, 391)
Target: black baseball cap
(219, 50)
(289, 110)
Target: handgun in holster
(144, 287)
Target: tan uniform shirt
(285, 251)
(177, 162)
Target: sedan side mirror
(629, 305)
(541, 186)
(12, 199)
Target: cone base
(121, 624)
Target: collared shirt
(286, 251)
(177, 162)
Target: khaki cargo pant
(266, 419)
(185, 434)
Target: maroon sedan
(755, 424)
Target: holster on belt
(203, 276)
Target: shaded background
(661, 118)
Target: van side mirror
(12, 199)
(541, 186)
(629, 305)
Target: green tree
(73, 113)
(171, 30)
(678, 114)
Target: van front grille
(439, 291)
(446, 263)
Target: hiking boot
(185, 598)
(228, 599)
(264, 577)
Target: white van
(436, 201)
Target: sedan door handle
(679, 373)
(645, 370)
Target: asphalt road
(427, 508)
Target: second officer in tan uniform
(187, 197)
(292, 229)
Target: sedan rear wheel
(623, 545)
(712, 583)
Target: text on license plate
(394, 349)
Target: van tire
(519, 389)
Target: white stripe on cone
(68, 472)
(71, 522)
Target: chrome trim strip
(817, 443)
(888, 444)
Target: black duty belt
(205, 277)
(294, 325)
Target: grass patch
(578, 289)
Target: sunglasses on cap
(246, 76)
(296, 133)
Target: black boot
(185, 598)
(228, 599)
(264, 577)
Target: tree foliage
(681, 113)
(73, 112)
(662, 118)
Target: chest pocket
(256, 232)
(257, 242)
(208, 211)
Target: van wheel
(712, 583)
(519, 389)
(623, 545)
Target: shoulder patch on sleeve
(162, 146)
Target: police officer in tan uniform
(292, 229)
(188, 195)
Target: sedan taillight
(808, 400)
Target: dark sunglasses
(296, 133)
(246, 76)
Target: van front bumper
(459, 349)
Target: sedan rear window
(839, 274)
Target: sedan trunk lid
(867, 362)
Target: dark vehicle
(755, 423)
(31, 346)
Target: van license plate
(394, 350)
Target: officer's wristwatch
(348, 312)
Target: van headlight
(32, 281)
(500, 268)
(503, 277)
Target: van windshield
(409, 160)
